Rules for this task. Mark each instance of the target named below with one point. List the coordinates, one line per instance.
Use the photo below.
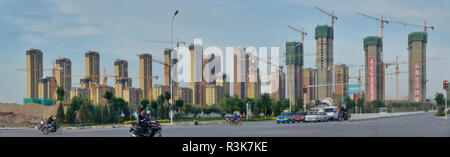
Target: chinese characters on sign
(372, 90)
(417, 83)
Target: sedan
(300, 116)
(286, 117)
(312, 116)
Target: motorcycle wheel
(58, 131)
(157, 134)
(45, 131)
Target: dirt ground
(26, 115)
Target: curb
(386, 116)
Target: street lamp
(170, 65)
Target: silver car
(323, 117)
(312, 116)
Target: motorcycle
(46, 128)
(230, 121)
(153, 129)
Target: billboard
(354, 89)
(372, 88)
(417, 83)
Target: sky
(121, 29)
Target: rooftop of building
(417, 36)
(372, 40)
(323, 31)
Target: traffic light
(445, 84)
(305, 89)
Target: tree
(179, 105)
(76, 103)
(279, 106)
(264, 102)
(108, 96)
(60, 94)
(99, 115)
(60, 114)
(70, 115)
(144, 103)
(439, 98)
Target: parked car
(323, 117)
(286, 117)
(312, 116)
(332, 112)
(300, 116)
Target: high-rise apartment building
(278, 85)
(34, 72)
(374, 84)
(63, 76)
(145, 74)
(417, 46)
(310, 79)
(324, 60)
(241, 72)
(341, 80)
(294, 63)
(92, 66)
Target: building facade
(63, 76)
(278, 85)
(241, 72)
(341, 80)
(145, 75)
(92, 66)
(34, 72)
(374, 77)
(417, 78)
(184, 94)
(310, 79)
(294, 64)
(324, 60)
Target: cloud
(32, 39)
(78, 31)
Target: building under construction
(417, 44)
(294, 63)
(63, 78)
(310, 79)
(374, 77)
(241, 72)
(324, 60)
(278, 85)
(341, 80)
(145, 74)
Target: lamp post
(170, 65)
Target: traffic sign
(354, 89)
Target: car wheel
(278, 122)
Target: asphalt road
(418, 125)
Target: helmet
(148, 112)
(234, 112)
(50, 116)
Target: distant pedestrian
(196, 122)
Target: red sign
(417, 83)
(356, 97)
(372, 88)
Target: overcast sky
(121, 29)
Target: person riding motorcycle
(50, 121)
(142, 120)
(235, 117)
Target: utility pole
(170, 63)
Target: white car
(332, 112)
(323, 117)
(312, 116)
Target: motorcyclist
(50, 121)
(142, 120)
(235, 117)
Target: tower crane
(300, 31)
(424, 26)
(331, 15)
